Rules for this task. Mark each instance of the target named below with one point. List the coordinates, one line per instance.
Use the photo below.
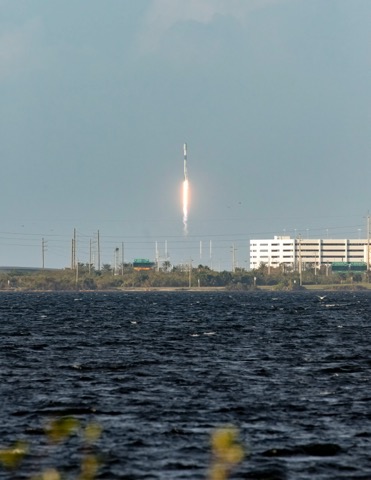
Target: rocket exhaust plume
(185, 206)
(185, 192)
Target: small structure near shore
(143, 264)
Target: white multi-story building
(280, 250)
(283, 250)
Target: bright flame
(185, 206)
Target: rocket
(185, 161)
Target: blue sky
(97, 99)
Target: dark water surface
(160, 370)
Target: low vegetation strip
(201, 278)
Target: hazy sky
(97, 98)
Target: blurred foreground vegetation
(86, 278)
(226, 452)
(57, 432)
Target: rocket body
(185, 161)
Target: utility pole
(233, 258)
(300, 264)
(74, 250)
(117, 261)
(368, 243)
(122, 258)
(190, 273)
(89, 256)
(98, 246)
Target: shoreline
(262, 288)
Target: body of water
(159, 371)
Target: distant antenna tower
(157, 260)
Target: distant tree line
(85, 277)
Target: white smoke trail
(185, 206)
